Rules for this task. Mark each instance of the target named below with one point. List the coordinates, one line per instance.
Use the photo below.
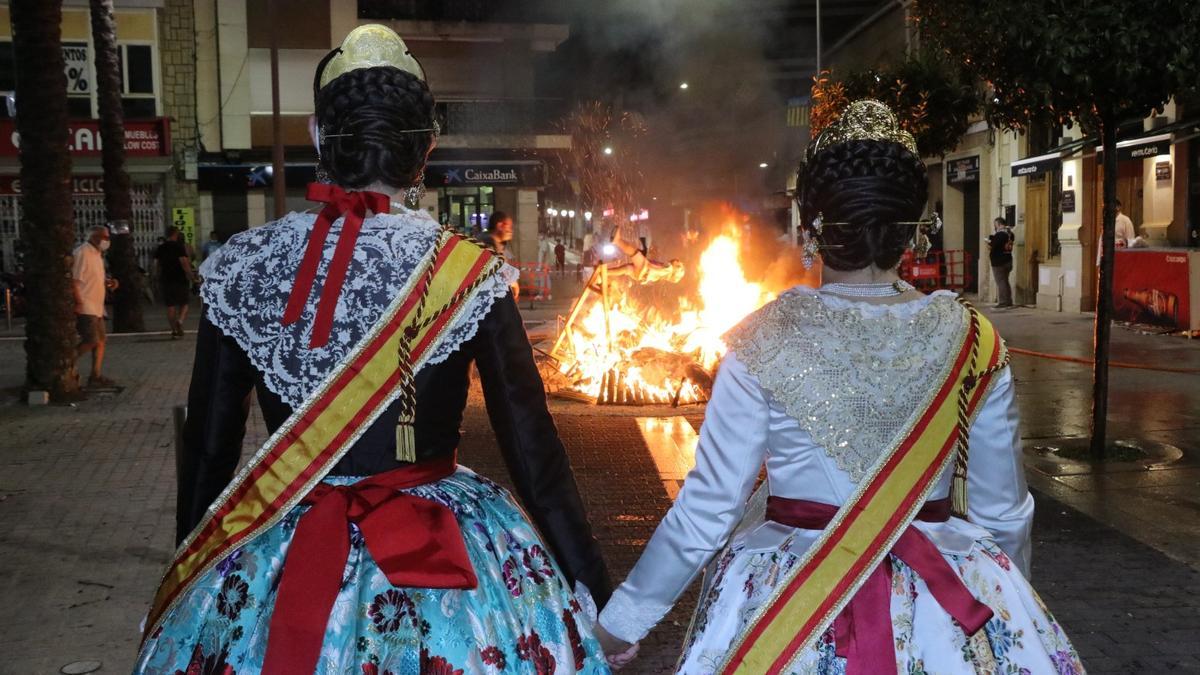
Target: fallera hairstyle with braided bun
(868, 186)
(366, 119)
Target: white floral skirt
(1022, 637)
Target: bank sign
(143, 138)
(499, 174)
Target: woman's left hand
(618, 652)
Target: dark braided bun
(870, 185)
(377, 108)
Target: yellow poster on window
(185, 219)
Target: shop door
(1037, 229)
(970, 221)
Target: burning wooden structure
(613, 349)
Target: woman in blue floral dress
(532, 601)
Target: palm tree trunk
(122, 259)
(48, 226)
(1104, 301)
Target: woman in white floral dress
(817, 386)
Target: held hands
(617, 652)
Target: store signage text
(517, 174)
(143, 138)
(964, 170)
(80, 185)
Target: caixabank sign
(531, 174)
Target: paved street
(87, 497)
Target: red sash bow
(863, 631)
(416, 543)
(354, 206)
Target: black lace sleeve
(218, 404)
(536, 459)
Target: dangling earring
(416, 192)
(322, 174)
(810, 247)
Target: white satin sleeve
(731, 450)
(998, 498)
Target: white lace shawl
(852, 374)
(248, 280)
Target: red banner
(143, 138)
(1151, 287)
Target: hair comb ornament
(370, 46)
(864, 120)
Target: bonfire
(615, 348)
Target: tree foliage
(933, 98)
(1064, 61)
(1096, 62)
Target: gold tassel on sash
(406, 430)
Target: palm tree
(48, 226)
(122, 261)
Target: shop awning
(1036, 166)
(1153, 145)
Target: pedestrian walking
(892, 534)
(175, 277)
(352, 541)
(560, 256)
(1000, 247)
(91, 285)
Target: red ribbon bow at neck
(338, 202)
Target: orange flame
(606, 343)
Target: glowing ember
(632, 354)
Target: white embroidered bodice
(853, 378)
(248, 280)
(824, 371)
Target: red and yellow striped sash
(302, 451)
(867, 526)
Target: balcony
(505, 117)
(473, 11)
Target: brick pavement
(86, 503)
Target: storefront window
(139, 94)
(466, 209)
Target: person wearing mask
(1000, 246)
(91, 284)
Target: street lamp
(571, 213)
(587, 215)
(762, 165)
(683, 85)
(608, 150)
(552, 212)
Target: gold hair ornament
(864, 120)
(370, 46)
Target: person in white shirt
(91, 283)
(1126, 232)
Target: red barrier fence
(951, 270)
(535, 281)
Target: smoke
(710, 138)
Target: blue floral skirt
(521, 618)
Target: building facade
(497, 128)
(1047, 184)
(155, 42)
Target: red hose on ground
(1114, 364)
